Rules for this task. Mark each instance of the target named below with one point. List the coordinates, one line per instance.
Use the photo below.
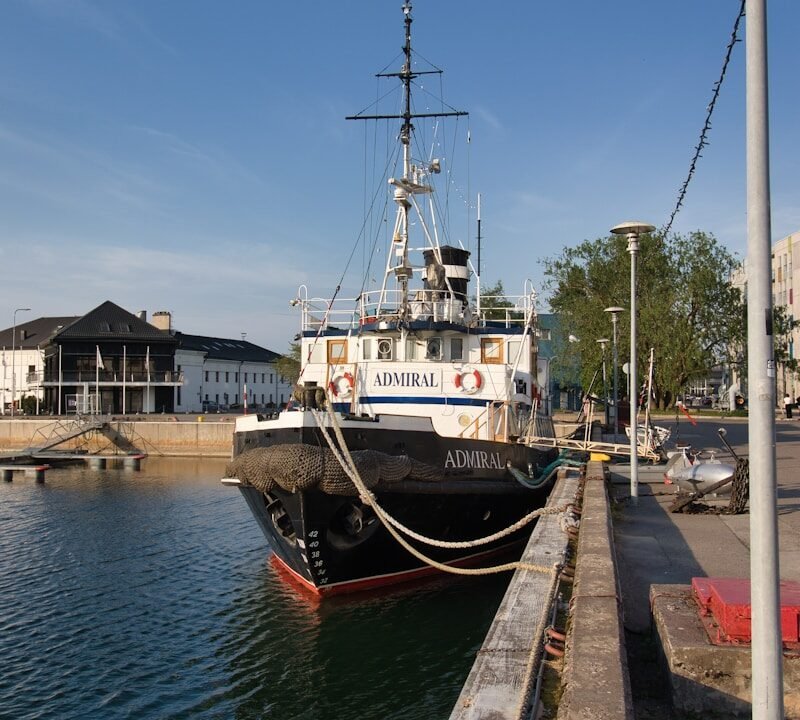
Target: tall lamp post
(602, 342)
(632, 230)
(14, 358)
(615, 311)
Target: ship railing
(421, 304)
(492, 423)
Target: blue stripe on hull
(408, 400)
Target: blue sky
(194, 157)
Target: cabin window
(366, 349)
(513, 350)
(411, 350)
(544, 333)
(337, 352)
(433, 348)
(385, 347)
(456, 348)
(492, 350)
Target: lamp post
(14, 357)
(615, 311)
(602, 342)
(632, 230)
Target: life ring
(471, 385)
(341, 385)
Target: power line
(707, 125)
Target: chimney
(23, 334)
(142, 315)
(162, 319)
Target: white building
(210, 374)
(221, 374)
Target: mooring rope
(348, 465)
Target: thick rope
(346, 461)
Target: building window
(216, 398)
(270, 382)
(236, 377)
(262, 398)
(262, 377)
(245, 377)
(227, 376)
(236, 400)
(179, 396)
(206, 397)
(217, 373)
(206, 379)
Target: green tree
(289, 365)
(494, 304)
(687, 309)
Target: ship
(403, 452)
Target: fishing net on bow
(302, 467)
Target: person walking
(787, 406)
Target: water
(150, 595)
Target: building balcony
(107, 378)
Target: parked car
(210, 406)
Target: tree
(289, 365)
(494, 305)
(687, 309)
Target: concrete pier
(636, 646)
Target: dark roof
(224, 349)
(34, 333)
(110, 322)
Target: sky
(194, 156)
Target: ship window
(513, 350)
(411, 350)
(385, 349)
(456, 348)
(491, 350)
(337, 352)
(366, 349)
(433, 348)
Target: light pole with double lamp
(14, 358)
(615, 311)
(632, 230)
(602, 342)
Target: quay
(635, 646)
(174, 435)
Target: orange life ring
(341, 385)
(470, 387)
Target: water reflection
(150, 595)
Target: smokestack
(162, 319)
(142, 315)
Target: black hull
(335, 544)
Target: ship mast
(412, 182)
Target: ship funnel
(453, 267)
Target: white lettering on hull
(478, 459)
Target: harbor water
(150, 595)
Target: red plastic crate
(726, 603)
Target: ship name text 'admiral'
(473, 459)
(406, 379)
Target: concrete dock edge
(596, 681)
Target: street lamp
(615, 311)
(602, 342)
(14, 357)
(632, 230)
